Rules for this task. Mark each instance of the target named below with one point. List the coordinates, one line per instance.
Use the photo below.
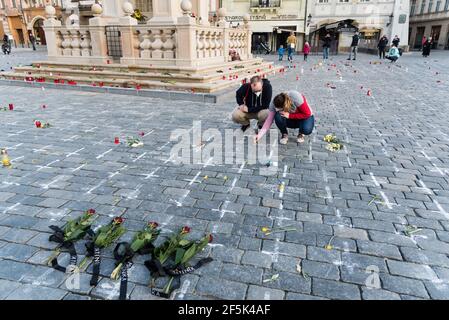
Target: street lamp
(309, 19)
(390, 21)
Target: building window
(429, 8)
(344, 0)
(437, 8)
(423, 5)
(446, 5)
(144, 5)
(327, 1)
(412, 7)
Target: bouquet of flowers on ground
(124, 252)
(181, 251)
(103, 238)
(334, 144)
(73, 231)
(134, 142)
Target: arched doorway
(38, 31)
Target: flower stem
(54, 255)
(116, 272)
(167, 287)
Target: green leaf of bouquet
(189, 253)
(184, 242)
(179, 255)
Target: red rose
(38, 124)
(118, 220)
(153, 224)
(91, 212)
(211, 238)
(185, 229)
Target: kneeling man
(253, 100)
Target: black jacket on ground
(355, 40)
(245, 95)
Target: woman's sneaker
(300, 138)
(284, 139)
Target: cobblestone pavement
(21, 56)
(392, 174)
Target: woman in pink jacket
(289, 110)
(306, 50)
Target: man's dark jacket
(245, 96)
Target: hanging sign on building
(402, 18)
(264, 17)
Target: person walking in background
(291, 42)
(354, 46)
(281, 52)
(33, 41)
(396, 41)
(381, 46)
(424, 39)
(306, 50)
(393, 53)
(326, 46)
(426, 47)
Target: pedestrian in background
(281, 52)
(424, 39)
(381, 46)
(396, 41)
(291, 42)
(326, 46)
(306, 50)
(354, 46)
(33, 41)
(426, 47)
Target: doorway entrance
(419, 36)
(38, 32)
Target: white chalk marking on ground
(169, 159)
(376, 183)
(96, 186)
(330, 197)
(266, 295)
(15, 147)
(90, 130)
(338, 213)
(71, 138)
(43, 149)
(284, 174)
(18, 158)
(46, 186)
(325, 178)
(81, 166)
(234, 182)
(163, 146)
(140, 157)
(148, 133)
(386, 200)
(17, 133)
(310, 152)
(223, 209)
(103, 154)
(47, 166)
(207, 164)
(440, 207)
(133, 195)
(74, 153)
(241, 167)
(152, 174)
(183, 197)
(11, 207)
